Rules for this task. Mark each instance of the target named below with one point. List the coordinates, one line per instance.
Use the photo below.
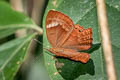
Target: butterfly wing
(58, 28)
(80, 39)
(65, 38)
(71, 54)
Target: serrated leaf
(12, 55)
(84, 12)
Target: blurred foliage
(14, 52)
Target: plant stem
(106, 42)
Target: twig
(106, 42)
(17, 5)
(37, 13)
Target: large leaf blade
(84, 13)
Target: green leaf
(84, 12)
(12, 54)
(113, 11)
(10, 20)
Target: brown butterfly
(66, 38)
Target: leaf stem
(40, 30)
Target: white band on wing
(53, 24)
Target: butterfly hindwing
(80, 39)
(71, 54)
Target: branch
(106, 42)
(17, 5)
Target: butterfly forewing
(58, 28)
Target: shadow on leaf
(71, 69)
(93, 48)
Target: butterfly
(67, 39)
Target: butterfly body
(66, 38)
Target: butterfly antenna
(44, 46)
